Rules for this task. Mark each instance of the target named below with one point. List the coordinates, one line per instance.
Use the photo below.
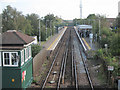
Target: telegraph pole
(99, 27)
(80, 9)
(99, 31)
(50, 28)
(46, 29)
(39, 34)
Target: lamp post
(106, 47)
(99, 31)
(39, 34)
(50, 28)
(99, 27)
(46, 29)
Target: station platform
(90, 46)
(87, 45)
(56, 41)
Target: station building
(16, 59)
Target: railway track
(68, 76)
(63, 72)
(82, 50)
(52, 79)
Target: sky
(66, 9)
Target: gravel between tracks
(82, 78)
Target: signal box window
(10, 59)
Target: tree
(58, 21)
(106, 35)
(35, 49)
(118, 21)
(14, 20)
(115, 44)
(49, 18)
(7, 19)
(34, 21)
(91, 16)
(50, 21)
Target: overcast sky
(66, 9)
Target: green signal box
(16, 63)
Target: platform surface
(55, 42)
(88, 46)
(93, 46)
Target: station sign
(91, 35)
(110, 68)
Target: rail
(62, 69)
(50, 70)
(75, 71)
(87, 72)
(52, 65)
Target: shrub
(35, 49)
(115, 44)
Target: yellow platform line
(86, 44)
(54, 41)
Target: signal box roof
(13, 38)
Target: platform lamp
(106, 47)
(99, 31)
(39, 34)
(50, 28)
(46, 28)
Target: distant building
(119, 8)
(110, 22)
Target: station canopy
(86, 27)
